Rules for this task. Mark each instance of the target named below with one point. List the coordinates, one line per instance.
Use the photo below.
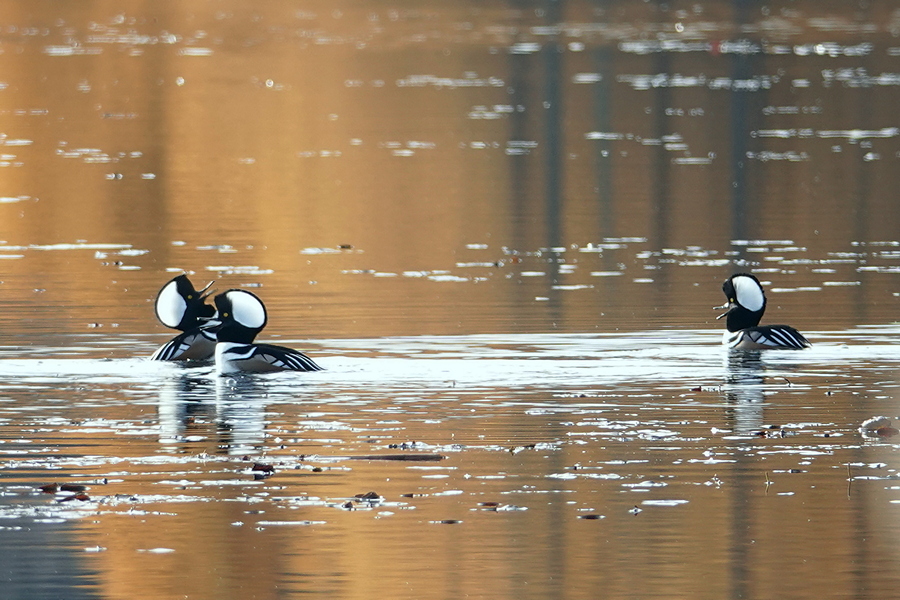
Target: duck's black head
(239, 317)
(180, 306)
(746, 302)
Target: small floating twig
(768, 482)
(849, 479)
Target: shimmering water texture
(501, 230)
(528, 443)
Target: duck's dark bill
(212, 324)
(725, 307)
(203, 293)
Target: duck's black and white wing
(195, 344)
(260, 358)
(286, 358)
(775, 337)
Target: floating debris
(446, 522)
(878, 427)
(409, 457)
(81, 496)
(53, 488)
(261, 470)
(72, 487)
(369, 497)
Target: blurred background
(437, 168)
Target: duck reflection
(240, 414)
(217, 415)
(184, 408)
(743, 388)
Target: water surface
(501, 229)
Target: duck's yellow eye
(225, 315)
(190, 297)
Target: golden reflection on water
(441, 169)
(410, 133)
(759, 512)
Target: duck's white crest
(749, 293)
(170, 306)
(247, 309)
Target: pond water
(501, 229)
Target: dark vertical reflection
(553, 117)
(661, 190)
(604, 161)
(536, 84)
(552, 53)
(519, 89)
(863, 107)
(863, 104)
(520, 175)
(662, 98)
(603, 157)
(739, 213)
(518, 130)
(742, 68)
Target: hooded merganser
(179, 306)
(239, 317)
(745, 307)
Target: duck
(240, 316)
(744, 309)
(180, 306)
